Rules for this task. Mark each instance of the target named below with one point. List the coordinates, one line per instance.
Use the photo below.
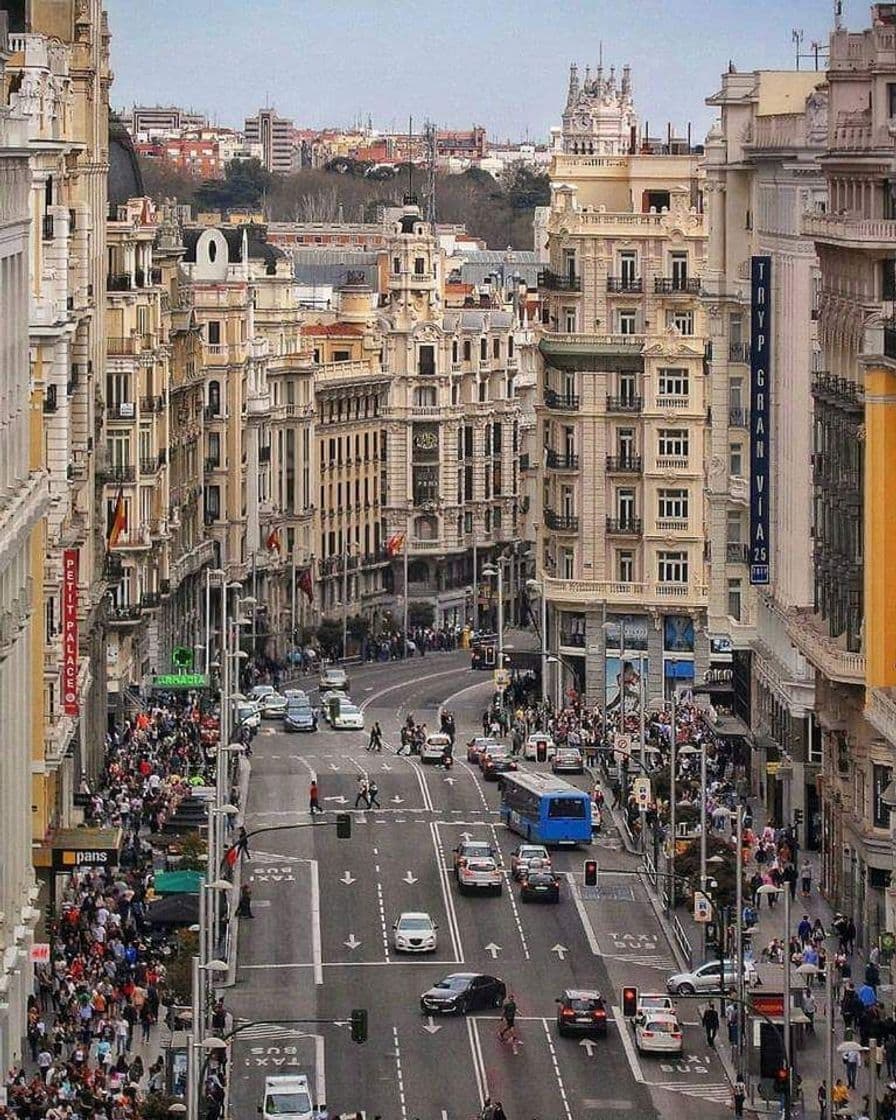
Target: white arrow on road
(397, 800)
(560, 950)
(409, 879)
(430, 1027)
(588, 1043)
(466, 836)
(493, 949)
(340, 800)
(333, 766)
(352, 942)
(450, 781)
(348, 879)
(386, 766)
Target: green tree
(245, 184)
(329, 636)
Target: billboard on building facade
(623, 685)
(760, 411)
(70, 559)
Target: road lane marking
(382, 909)
(315, 925)
(478, 1062)
(412, 681)
(401, 1097)
(466, 766)
(556, 1064)
(447, 896)
(628, 1045)
(583, 915)
(513, 905)
(423, 961)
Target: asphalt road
(319, 944)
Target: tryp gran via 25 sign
(760, 412)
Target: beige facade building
(623, 405)
(274, 135)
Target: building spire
(573, 94)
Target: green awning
(177, 882)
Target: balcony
(152, 404)
(851, 230)
(810, 635)
(880, 712)
(737, 553)
(554, 461)
(136, 538)
(588, 592)
(672, 462)
(624, 404)
(48, 227)
(121, 347)
(628, 284)
(624, 526)
(672, 402)
(113, 569)
(124, 616)
(121, 410)
(624, 464)
(568, 402)
(677, 285)
(672, 525)
(739, 352)
(557, 282)
(149, 465)
(561, 524)
(119, 282)
(577, 351)
(117, 474)
(738, 418)
(573, 638)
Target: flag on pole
(273, 541)
(306, 586)
(230, 856)
(395, 544)
(119, 519)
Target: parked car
(706, 978)
(659, 1033)
(582, 1011)
(568, 760)
(479, 873)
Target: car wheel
(523, 896)
(685, 990)
(498, 999)
(463, 1005)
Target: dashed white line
(382, 909)
(512, 898)
(400, 1075)
(556, 1064)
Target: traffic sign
(702, 907)
(641, 789)
(502, 678)
(622, 742)
(182, 657)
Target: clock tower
(599, 115)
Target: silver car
(706, 978)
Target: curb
(233, 924)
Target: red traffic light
(590, 872)
(629, 1002)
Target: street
(320, 941)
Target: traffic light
(590, 872)
(344, 826)
(629, 1002)
(359, 1025)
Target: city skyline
(441, 83)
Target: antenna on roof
(410, 198)
(431, 151)
(838, 15)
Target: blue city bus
(545, 809)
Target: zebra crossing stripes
(268, 1031)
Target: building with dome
(600, 117)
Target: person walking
(809, 1009)
(822, 1098)
(372, 790)
(242, 843)
(806, 878)
(375, 743)
(710, 1021)
(739, 1094)
(244, 907)
(508, 1018)
(363, 793)
(314, 798)
(851, 1062)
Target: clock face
(584, 122)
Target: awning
(177, 882)
(69, 848)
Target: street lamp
(490, 570)
(770, 889)
(535, 588)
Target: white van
(287, 1096)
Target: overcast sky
(504, 65)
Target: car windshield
(654, 1001)
(476, 847)
(288, 1104)
(263, 690)
(455, 983)
(415, 923)
(533, 853)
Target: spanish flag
(273, 541)
(395, 544)
(119, 519)
(306, 584)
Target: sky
(502, 65)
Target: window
(679, 263)
(214, 449)
(628, 388)
(625, 567)
(888, 279)
(881, 778)
(672, 567)
(496, 438)
(625, 506)
(673, 383)
(212, 503)
(468, 522)
(214, 332)
(342, 356)
(455, 351)
(735, 330)
(468, 482)
(396, 265)
(674, 443)
(733, 527)
(483, 349)
(569, 263)
(734, 599)
(569, 320)
(468, 350)
(510, 346)
(673, 505)
(118, 447)
(214, 398)
(468, 441)
(496, 348)
(736, 459)
(683, 321)
(567, 563)
(427, 361)
(891, 100)
(625, 443)
(628, 322)
(419, 266)
(628, 269)
(425, 397)
(736, 394)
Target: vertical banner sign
(760, 411)
(70, 631)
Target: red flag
(230, 856)
(305, 584)
(273, 541)
(395, 544)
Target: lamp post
(497, 569)
(218, 574)
(770, 888)
(536, 588)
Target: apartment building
(848, 633)
(23, 508)
(763, 172)
(163, 119)
(453, 471)
(276, 136)
(622, 405)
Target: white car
(658, 1033)
(287, 1096)
(295, 694)
(649, 1003)
(524, 855)
(260, 691)
(414, 932)
(248, 715)
(273, 705)
(530, 749)
(434, 747)
(325, 702)
(333, 677)
(347, 717)
(479, 874)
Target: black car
(494, 763)
(582, 1012)
(540, 886)
(462, 992)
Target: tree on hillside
(245, 184)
